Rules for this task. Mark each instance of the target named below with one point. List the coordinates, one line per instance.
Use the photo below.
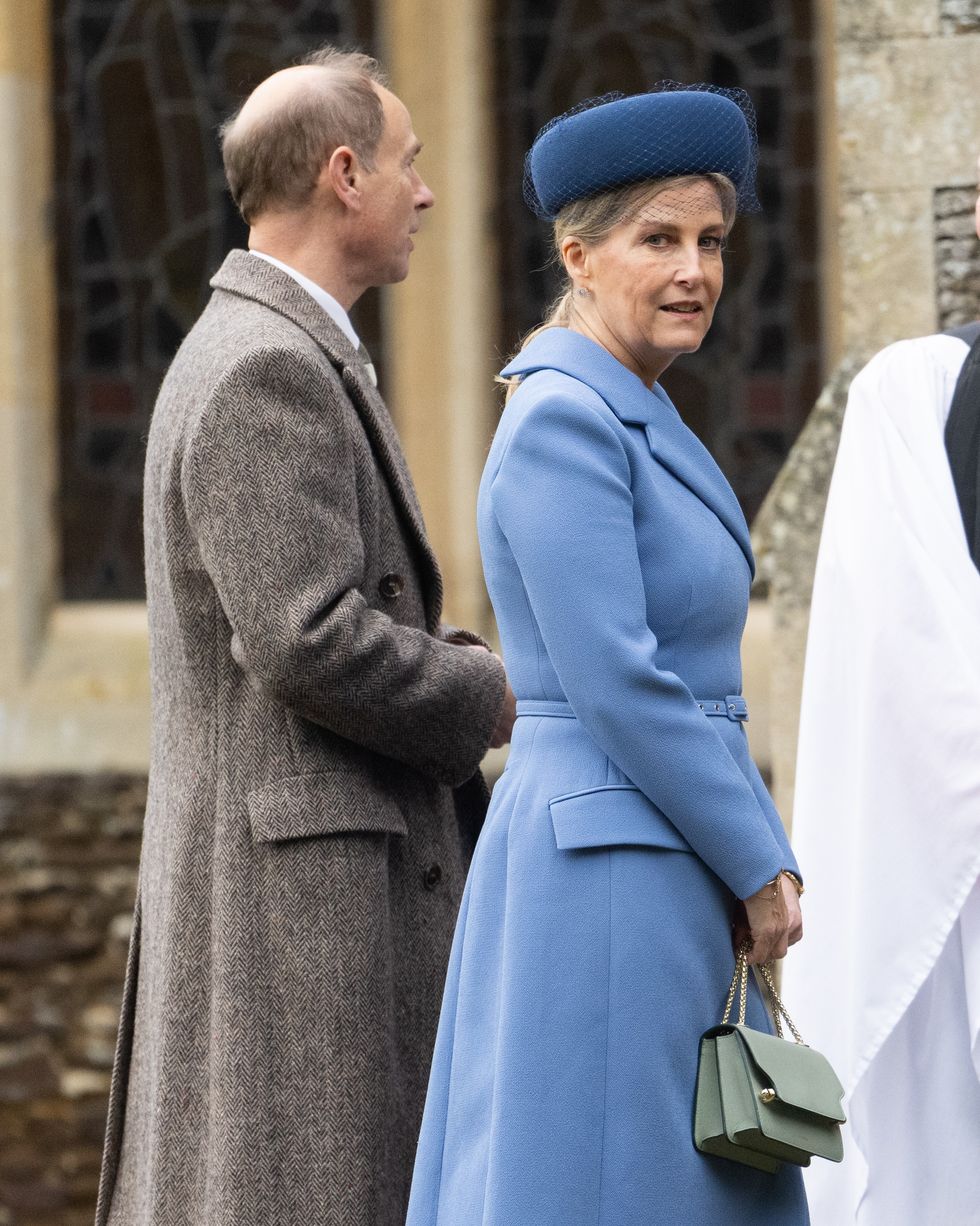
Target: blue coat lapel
(671, 442)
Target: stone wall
(957, 254)
(907, 130)
(785, 537)
(900, 142)
(69, 847)
(786, 532)
(959, 16)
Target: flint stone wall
(959, 16)
(69, 847)
(957, 253)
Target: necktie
(365, 357)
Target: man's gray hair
(273, 162)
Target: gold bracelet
(800, 888)
(783, 872)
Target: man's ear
(342, 174)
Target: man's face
(394, 197)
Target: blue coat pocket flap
(330, 802)
(612, 815)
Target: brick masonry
(69, 848)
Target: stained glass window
(749, 389)
(143, 220)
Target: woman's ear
(575, 257)
(341, 174)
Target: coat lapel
(262, 282)
(681, 451)
(672, 444)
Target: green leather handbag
(762, 1100)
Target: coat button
(432, 876)
(391, 586)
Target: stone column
(900, 128)
(785, 536)
(908, 126)
(441, 323)
(28, 540)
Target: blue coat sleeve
(562, 497)
(773, 818)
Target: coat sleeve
(268, 482)
(773, 818)
(562, 496)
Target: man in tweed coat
(316, 736)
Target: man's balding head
(276, 144)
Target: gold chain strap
(777, 1004)
(740, 983)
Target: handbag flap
(801, 1077)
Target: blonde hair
(594, 218)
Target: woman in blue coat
(594, 941)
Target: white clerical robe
(886, 819)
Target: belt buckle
(736, 708)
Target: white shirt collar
(320, 295)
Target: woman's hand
(770, 921)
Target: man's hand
(508, 712)
(770, 920)
(505, 723)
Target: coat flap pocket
(611, 815)
(332, 802)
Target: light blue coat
(593, 945)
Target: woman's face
(652, 284)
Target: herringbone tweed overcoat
(302, 855)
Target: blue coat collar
(671, 442)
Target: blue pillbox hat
(617, 140)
